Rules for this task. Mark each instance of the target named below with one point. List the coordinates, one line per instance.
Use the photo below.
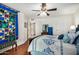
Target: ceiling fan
(44, 9)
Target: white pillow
(72, 36)
(66, 38)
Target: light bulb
(43, 14)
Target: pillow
(72, 36)
(60, 37)
(77, 33)
(66, 39)
(76, 41)
(48, 41)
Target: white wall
(76, 17)
(60, 24)
(22, 31)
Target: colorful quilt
(8, 25)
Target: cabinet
(50, 30)
(44, 33)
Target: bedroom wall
(76, 17)
(22, 31)
(60, 24)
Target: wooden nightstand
(44, 33)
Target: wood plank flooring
(20, 50)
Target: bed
(50, 45)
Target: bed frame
(29, 42)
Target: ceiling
(62, 8)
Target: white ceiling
(62, 8)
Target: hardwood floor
(20, 50)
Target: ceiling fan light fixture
(44, 10)
(43, 14)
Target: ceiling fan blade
(35, 10)
(38, 14)
(53, 9)
(47, 14)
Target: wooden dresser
(44, 33)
